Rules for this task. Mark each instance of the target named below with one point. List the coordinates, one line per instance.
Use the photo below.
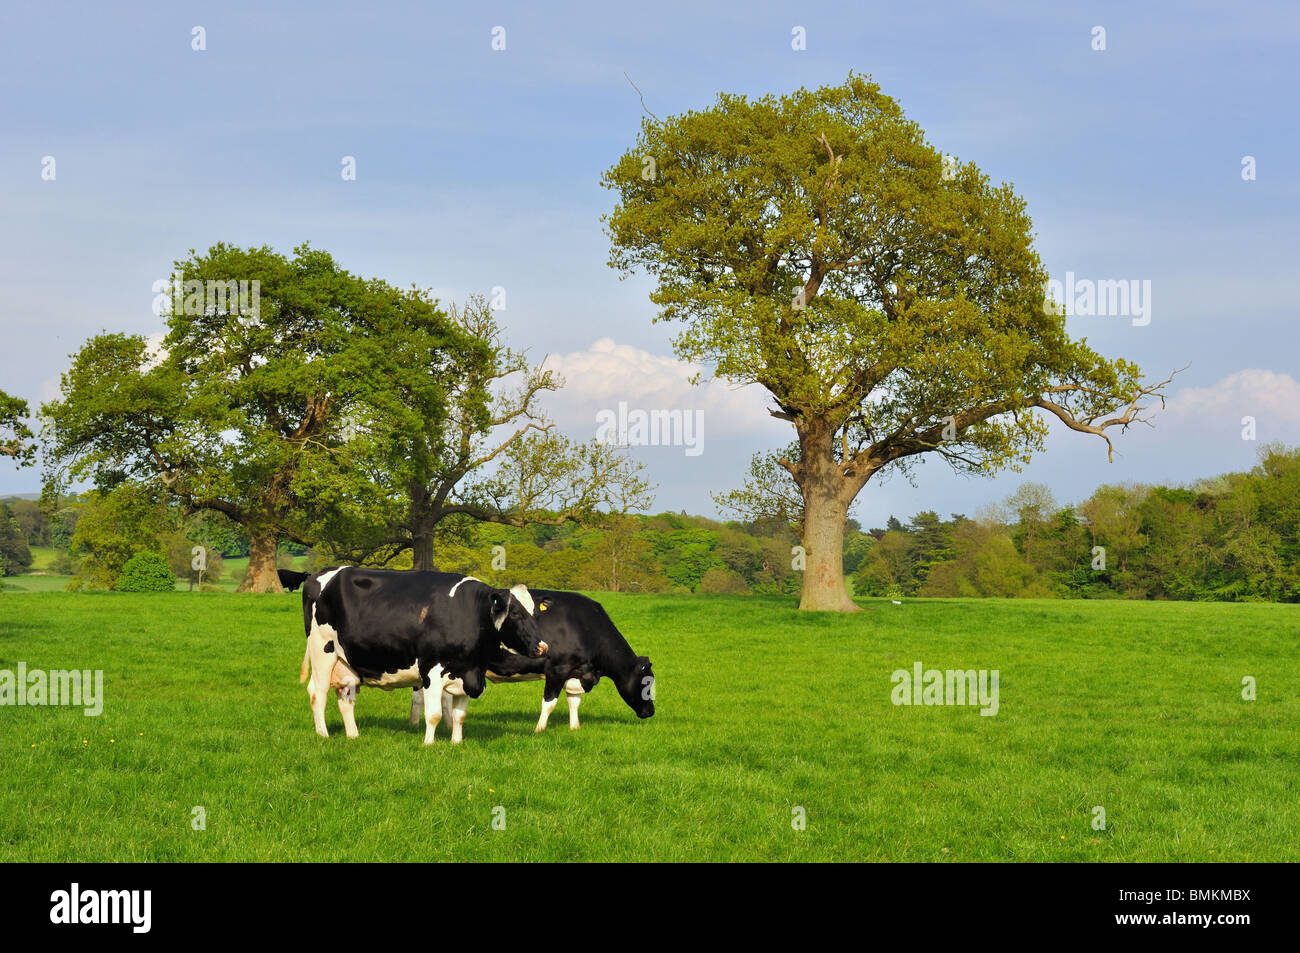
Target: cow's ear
(543, 605)
(499, 612)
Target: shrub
(724, 581)
(146, 572)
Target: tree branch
(639, 93)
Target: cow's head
(638, 688)
(513, 616)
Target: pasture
(1134, 707)
(43, 578)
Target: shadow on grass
(488, 726)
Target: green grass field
(42, 578)
(1134, 707)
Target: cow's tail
(306, 662)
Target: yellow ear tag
(542, 607)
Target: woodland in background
(1234, 537)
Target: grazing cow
(583, 645)
(395, 629)
(291, 580)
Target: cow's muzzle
(541, 648)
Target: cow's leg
(417, 705)
(432, 703)
(347, 703)
(549, 698)
(455, 704)
(450, 689)
(305, 675)
(458, 718)
(318, 690)
(574, 690)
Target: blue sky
(479, 168)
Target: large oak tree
(891, 304)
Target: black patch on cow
(425, 679)
(374, 614)
(329, 646)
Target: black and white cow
(291, 580)
(583, 646)
(397, 629)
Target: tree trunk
(826, 499)
(261, 575)
(823, 542)
(422, 552)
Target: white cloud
(607, 373)
(154, 352)
(51, 389)
(1250, 392)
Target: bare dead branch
(639, 93)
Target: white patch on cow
(573, 688)
(433, 703)
(525, 597)
(547, 708)
(325, 577)
(452, 594)
(406, 678)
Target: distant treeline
(1234, 537)
(1230, 538)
